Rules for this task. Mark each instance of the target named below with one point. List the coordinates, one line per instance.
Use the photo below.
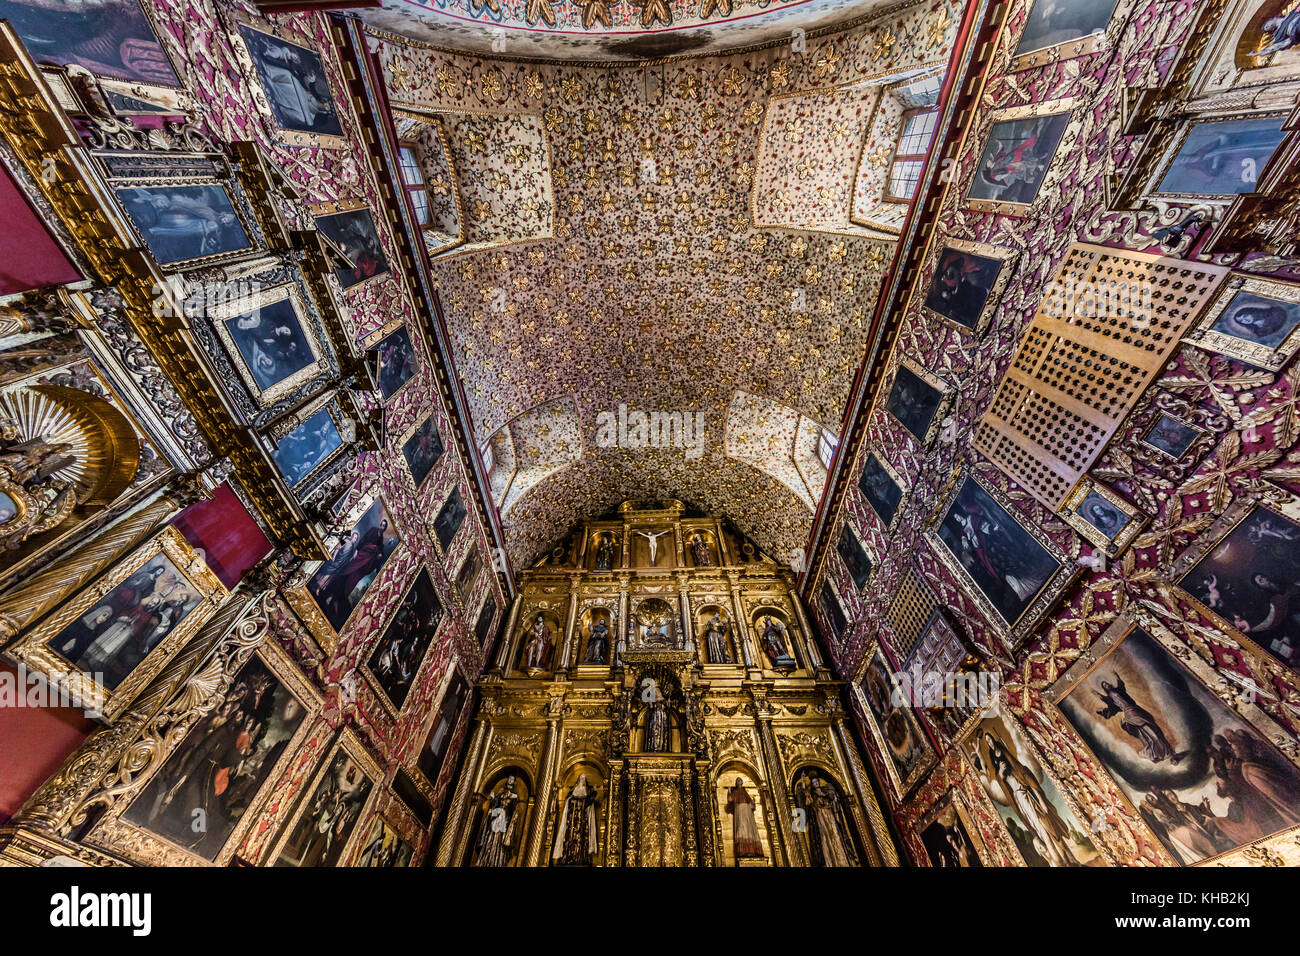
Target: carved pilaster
(455, 831)
(546, 782)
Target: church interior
(650, 433)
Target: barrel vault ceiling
(612, 257)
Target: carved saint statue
(656, 634)
(827, 839)
(575, 838)
(538, 648)
(605, 554)
(597, 643)
(657, 736)
(496, 839)
(715, 641)
(744, 829)
(701, 552)
(774, 637)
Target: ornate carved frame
(1068, 49)
(874, 451)
(1050, 174)
(1008, 257)
(392, 708)
(1070, 512)
(947, 395)
(333, 401)
(954, 799)
(325, 210)
(1273, 359)
(901, 788)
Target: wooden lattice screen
(909, 612)
(1107, 324)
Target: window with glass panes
(909, 157)
(826, 445)
(413, 181)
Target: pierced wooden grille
(911, 608)
(1107, 324)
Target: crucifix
(654, 542)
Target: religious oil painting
(1102, 516)
(854, 556)
(395, 661)
(422, 450)
(1053, 22)
(308, 446)
(830, 606)
(110, 38)
(436, 745)
(340, 583)
(949, 837)
(323, 825)
(1254, 319)
(184, 223)
(1016, 159)
(397, 361)
(1042, 824)
(1222, 157)
(962, 286)
(293, 78)
(881, 488)
(1171, 436)
(218, 770)
(1251, 579)
(449, 519)
(354, 233)
(1008, 564)
(894, 725)
(915, 400)
(1203, 779)
(382, 847)
(273, 348)
(483, 626)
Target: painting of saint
(303, 450)
(397, 362)
(110, 38)
(434, 750)
(880, 490)
(467, 577)
(383, 847)
(293, 78)
(1258, 319)
(330, 814)
(1006, 562)
(119, 631)
(221, 764)
(397, 657)
(1204, 780)
(8, 508)
(1016, 159)
(1060, 21)
(449, 519)
(1171, 436)
(1223, 157)
(1103, 515)
(339, 584)
(1278, 31)
(180, 223)
(422, 450)
(914, 401)
(834, 614)
(854, 557)
(271, 341)
(904, 744)
(1040, 822)
(947, 842)
(1252, 581)
(354, 233)
(960, 289)
(483, 627)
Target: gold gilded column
(875, 833)
(780, 794)
(502, 665)
(455, 831)
(546, 781)
(575, 581)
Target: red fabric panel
(29, 256)
(226, 532)
(34, 741)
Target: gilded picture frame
(1091, 491)
(270, 393)
(1272, 358)
(1168, 149)
(379, 828)
(236, 24)
(1103, 39)
(947, 396)
(138, 193)
(446, 684)
(952, 800)
(166, 553)
(1008, 258)
(147, 847)
(1014, 632)
(396, 708)
(282, 430)
(328, 210)
(901, 483)
(349, 744)
(1272, 499)
(1228, 61)
(1239, 704)
(1051, 167)
(900, 786)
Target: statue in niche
(715, 641)
(576, 837)
(829, 843)
(653, 538)
(605, 554)
(774, 642)
(538, 648)
(701, 551)
(744, 828)
(597, 643)
(656, 634)
(496, 838)
(656, 724)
